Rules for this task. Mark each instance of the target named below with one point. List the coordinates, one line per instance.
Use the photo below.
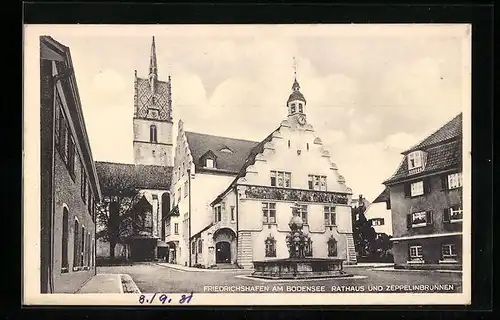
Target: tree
(363, 233)
(115, 214)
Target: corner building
(426, 202)
(69, 183)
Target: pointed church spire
(153, 68)
(295, 86)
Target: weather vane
(294, 67)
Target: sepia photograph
(247, 164)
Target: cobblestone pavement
(152, 278)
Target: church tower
(152, 117)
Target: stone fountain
(298, 266)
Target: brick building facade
(70, 187)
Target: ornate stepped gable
(257, 154)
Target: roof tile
(200, 144)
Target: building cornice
(426, 236)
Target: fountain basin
(299, 268)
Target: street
(152, 278)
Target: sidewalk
(416, 270)
(369, 265)
(192, 269)
(103, 283)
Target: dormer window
(415, 160)
(209, 163)
(226, 150)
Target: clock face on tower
(301, 119)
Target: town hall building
(230, 200)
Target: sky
(372, 91)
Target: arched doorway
(223, 252)
(225, 245)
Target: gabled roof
(200, 144)
(248, 161)
(443, 149)
(451, 130)
(50, 49)
(116, 178)
(384, 196)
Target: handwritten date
(165, 299)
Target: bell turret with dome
(296, 103)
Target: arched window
(200, 246)
(292, 108)
(65, 232)
(301, 110)
(82, 248)
(332, 247)
(307, 146)
(270, 246)
(152, 133)
(288, 143)
(76, 244)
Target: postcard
(215, 165)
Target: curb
(199, 269)
(414, 270)
(130, 281)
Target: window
(200, 246)
(332, 247)
(87, 263)
(281, 179)
(209, 163)
(62, 133)
(193, 247)
(232, 213)
(83, 183)
(270, 246)
(417, 189)
(292, 108)
(76, 242)
(65, 232)
(89, 202)
(453, 214)
(269, 212)
(176, 228)
(317, 182)
(152, 133)
(57, 111)
(302, 211)
(186, 189)
(455, 180)
(329, 216)
(82, 247)
(416, 252)
(218, 213)
(378, 222)
(419, 219)
(449, 251)
(178, 195)
(289, 144)
(301, 109)
(415, 160)
(308, 248)
(307, 146)
(71, 156)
